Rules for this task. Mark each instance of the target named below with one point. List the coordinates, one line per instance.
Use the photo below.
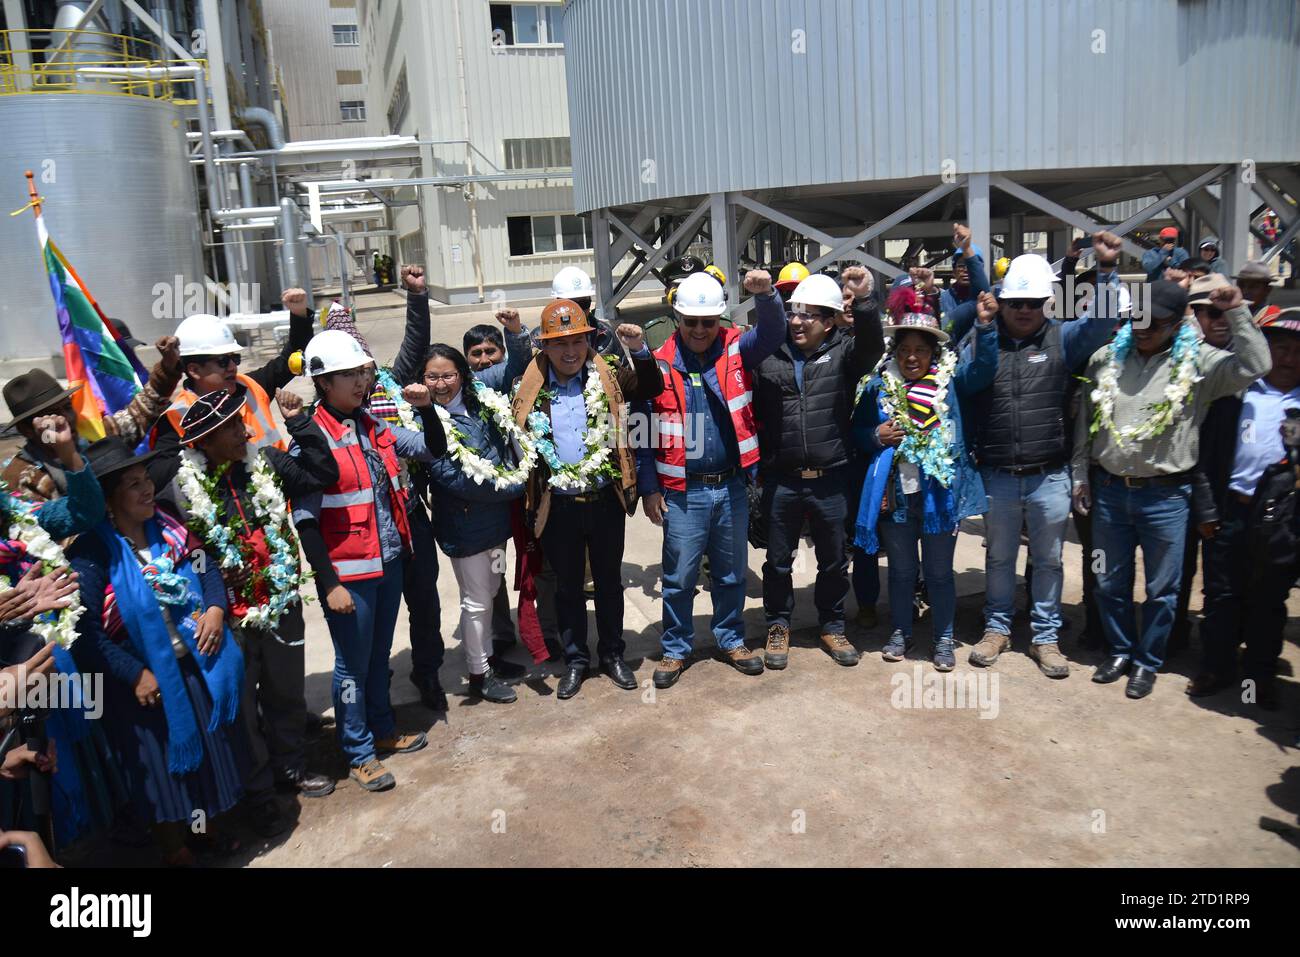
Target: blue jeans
(362, 642)
(900, 540)
(1040, 503)
(704, 520)
(1154, 517)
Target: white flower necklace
(929, 449)
(598, 438)
(24, 527)
(1184, 373)
(495, 409)
(284, 575)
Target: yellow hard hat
(1000, 268)
(671, 294)
(791, 276)
(716, 273)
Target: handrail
(90, 62)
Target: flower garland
(1184, 373)
(20, 520)
(405, 413)
(283, 575)
(494, 408)
(930, 450)
(580, 476)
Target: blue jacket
(469, 518)
(1155, 261)
(944, 508)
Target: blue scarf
(142, 615)
(939, 514)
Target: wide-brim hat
(1256, 270)
(32, 393)
(210, 412)
(1199, 294)
(917, 322)
(111, 455)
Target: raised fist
(295, 300)
(53, 430)
(961, 236)
(922, 279)
(987, 307)
(1225, 298)
(418, 396)
(413, 279)
(758, 282)
(1106, 246)
(1180, 276)
(170, 348)
(631, 335)
(857, 282)
(509, 318)
(290, 403)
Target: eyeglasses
(1024, 303)
(225, 362)
(1214, 311)
(806, 314)
(691, 322)
(434, 379)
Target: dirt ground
(815, 765)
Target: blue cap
(975, 251)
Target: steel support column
(1235, 204)
(977, 209)
(722, 225)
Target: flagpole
(35, 196)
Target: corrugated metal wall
(682, 97)
(302, 32)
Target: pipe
(248, 212)
(267, 120)
(205, 135)
(290, 252)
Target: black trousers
(824, 503)
(1246, 585)
(1182, 619)
(420, 588)
(574, 532)
(273, 706)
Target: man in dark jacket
(1250, 550)
(274, 664)
(803, 397)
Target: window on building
(353, 111)
(400, 100)
(542, 152)
(551, 233)
(514, 24)
(345, 35)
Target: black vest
(809, 429)
(1020, 420)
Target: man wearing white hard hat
(1017, 429)
(210, 357)
(573, 284)
(694, 483)
(357, 538)
(803, 397)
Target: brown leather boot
(777, 653)
(402, 742)
(373, 776)
(1050, 660)
(668, 671)
(745, 661)
(989, 647)
(841, 650)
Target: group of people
(179, 547)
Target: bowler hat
(32, 393)
(110, 454)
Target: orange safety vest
(349, 521)
(670, 409)
(256, 413)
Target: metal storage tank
(112, 166)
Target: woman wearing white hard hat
(921, 480)
(357, 539)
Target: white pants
(478, 580)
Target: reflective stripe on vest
(363, 496)
(736, 386)
(359, 568)
(256, 414)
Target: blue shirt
(569, 422)
(1259, 443)
(710, 438)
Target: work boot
(840, 649)
(491, 688)
(989, 647)
(777, 653)
(1050, 660)
(373, 776)
(668, 671)
(745, 661)
(402, 742)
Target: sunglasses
(691, 322)
(1024, 303)
(224, 362)
(1214, 311)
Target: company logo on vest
(75, 910)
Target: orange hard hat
(563, 317)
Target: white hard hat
(818, 290)
(333, 351)
(203, 335)
(1028, 277)
(572, 283)
(699, 294)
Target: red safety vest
(349, 522)
(670, 408)
(256, 413)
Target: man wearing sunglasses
(1021, 442)
(694, 481)
(211, 358)
(1143, 485)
